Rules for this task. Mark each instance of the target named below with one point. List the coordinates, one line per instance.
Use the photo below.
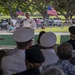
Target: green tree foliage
(11, 5)
(65, 7)
(41, 6)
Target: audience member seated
(14, 62)
(72, 42)
(47, 42)
(38, 40)
(53, 71)
(64, 52)
(40, 34)
(10, 27)
(33, 59)
(72, 36)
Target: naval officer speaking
(29, 22)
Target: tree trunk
(71, 19)
(46, 16)
(66, 18)
(11, 13)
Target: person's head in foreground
(72, 32)
(48, 40)
(64, 51)
(23, 37)
(34, 57)
(53, 71)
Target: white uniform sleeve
(30, 23)
(23, 23)
(14, 63)
(33, 26)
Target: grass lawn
(53, 29)
(60, 16)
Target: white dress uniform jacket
(14, 63)
(50, 57)
(29, 23)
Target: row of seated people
(26, 59)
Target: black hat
(72, 29)
(34, 55)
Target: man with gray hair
(64, 52)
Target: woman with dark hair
(38, 40)
(72, 36)
(40, 34)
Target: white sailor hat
(27, 13)
(23, 34)
(48, 39)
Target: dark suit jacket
(72, 42)
(29, 72)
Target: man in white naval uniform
(29, 22)
(15, 62)
(47, 42)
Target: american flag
(51, 11)
(19, 12)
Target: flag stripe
(18, 12)
(51, 11)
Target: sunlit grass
(60, 16)
(53, 29)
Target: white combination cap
(48, 39)
(23, 34)
(27, 13)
